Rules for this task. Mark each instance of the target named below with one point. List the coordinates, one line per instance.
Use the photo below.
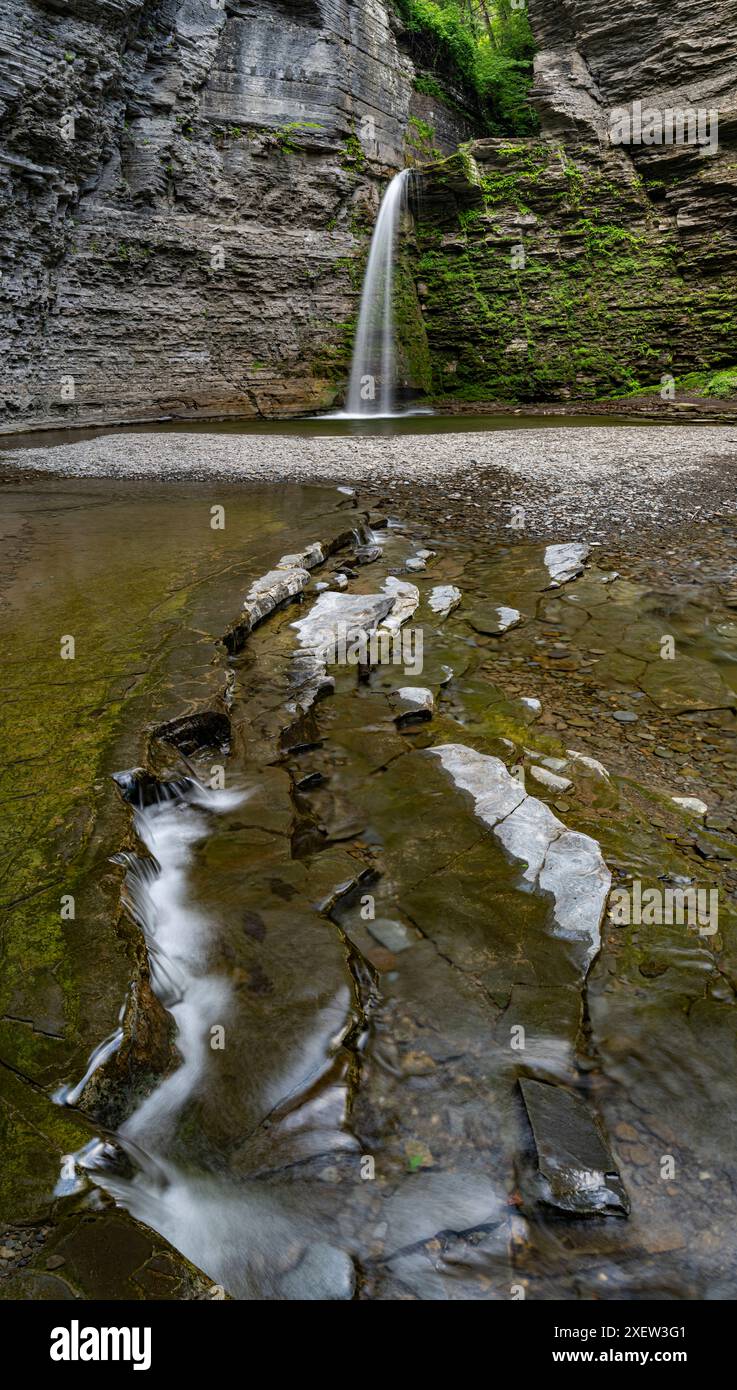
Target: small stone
(494, 621)
(692, 804)
(367, 554)
(382, 960)
(551, 779)
(592, 763)
(55, 1262)
(413, 703)
(417, 1064)
(625, 716)
(638, 1154)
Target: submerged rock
(577, 1171)
(324, 1273)
(392, 935)
(564, 562)
(493, 621)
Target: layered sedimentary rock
(568, 266)
(187, 190)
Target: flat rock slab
(444, 598)
(329, 631)
(493, 620)
(564, 562)
(577, 1170)
(406, 600)
(341, 615)
(562, 862)
(551, 779)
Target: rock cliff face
(570, 267)
(188, 187)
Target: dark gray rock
(578, 1173)
(208, 729)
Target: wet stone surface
(390, 1029)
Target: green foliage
(432, 88)
(283, 135)
(420, 138)
(482, 47)
(721, 384)
(353, 158)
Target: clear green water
(336, 1047)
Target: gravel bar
(602, 479)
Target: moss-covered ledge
(551, 274)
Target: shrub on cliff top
(483, 47)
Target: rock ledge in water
(208, 729)
(444, 598)
(564, 562)
(559, 861)
(577, 1170)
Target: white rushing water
(372, 385)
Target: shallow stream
(384, 1040)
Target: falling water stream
(374, 351)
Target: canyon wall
(187, 190)
(568, 267)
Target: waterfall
(371, 389)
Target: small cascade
(372, 384)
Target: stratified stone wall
(193, 245)
(629, 254)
